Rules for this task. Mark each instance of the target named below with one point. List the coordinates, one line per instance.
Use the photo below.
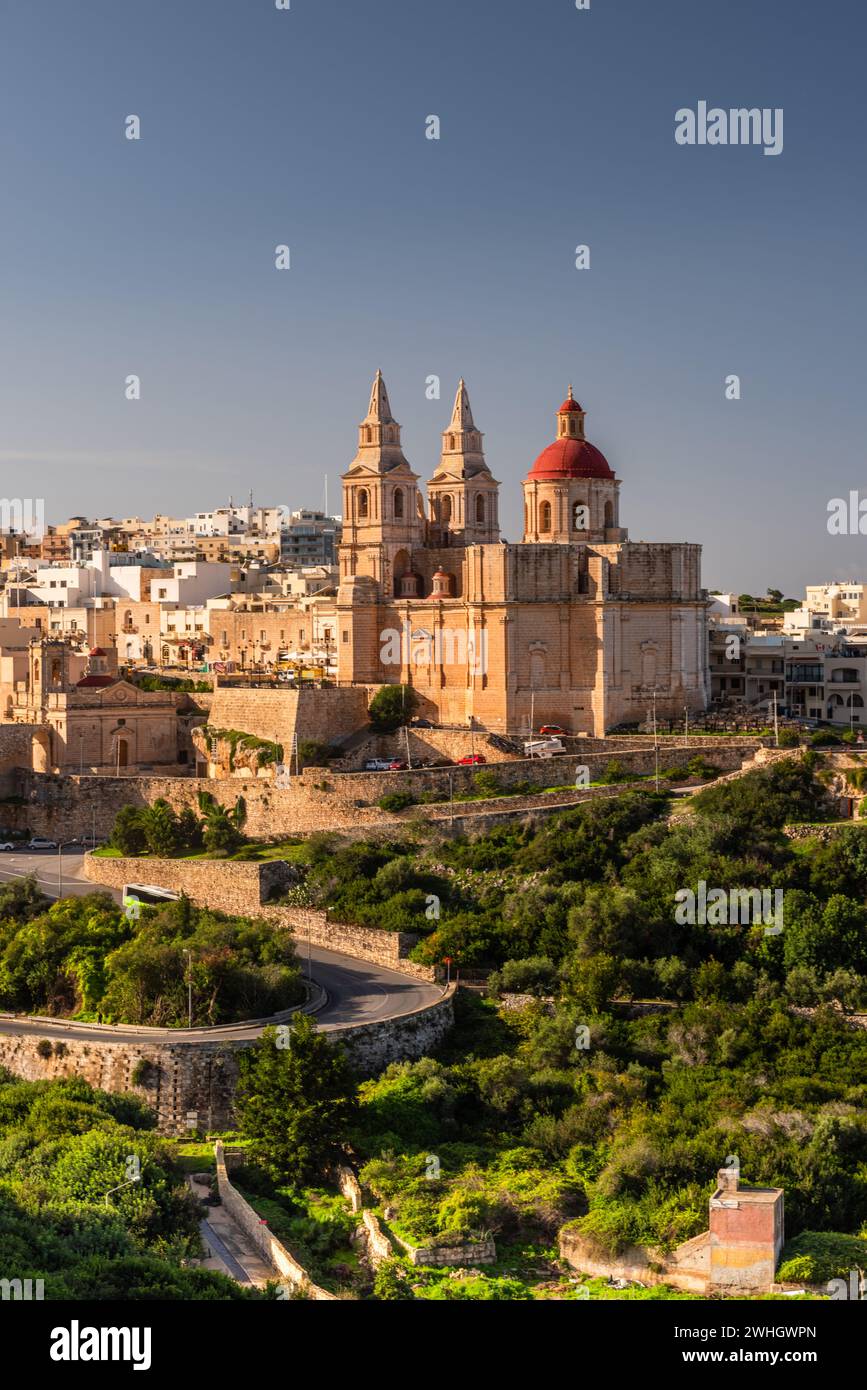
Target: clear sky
(451, 257)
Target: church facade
(574, 625)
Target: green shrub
(395, 801)
(816, 1256)
(392, 706)
(534, 975)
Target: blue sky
(451, 257)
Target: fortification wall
(64, 807)
(320, 714)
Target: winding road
(356, 991)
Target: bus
(149, 894)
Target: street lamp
(189, 956)
(60, 848)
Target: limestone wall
(197, 1079)
(244, 888)
(63, 807)
(229, 887)
(687, 1267)
(281, 1260)
(321, 714)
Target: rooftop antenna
(326, 494)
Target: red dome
(569, 407)
(571, 458)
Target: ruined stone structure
(737, 1255)
(746, 1234)
(575, 625)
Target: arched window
(127, 620)
(545, 517)
(398, 503)
(480, 509)
(363, 503)
(609, 515)
(446, 510)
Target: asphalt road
(357, 991)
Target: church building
(574, 625)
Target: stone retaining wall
(64, 807)
(281, 1260)
(200, 1077)
(687, 1267)
(241, 888)
(230, 887)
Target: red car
(551, 729)
(396, 765)
(471, 759)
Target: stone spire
(462, 494)
(379, 410)
(462, 415)
(462, 454)
(379, 433)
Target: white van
(543, 748)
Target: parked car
(396, 765)
(6, 845)
(422, 724)
(38, 843)
(471, 759)
(378, 765)
(552, 729)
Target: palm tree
(224, 827)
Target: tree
(392, 706)
(223, 829)
(160, 829)
(128, 834)
(295, 1101)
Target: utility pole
(776, 723)
(686, 725)
(532, 712)
(655, 740)
(189, 956)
